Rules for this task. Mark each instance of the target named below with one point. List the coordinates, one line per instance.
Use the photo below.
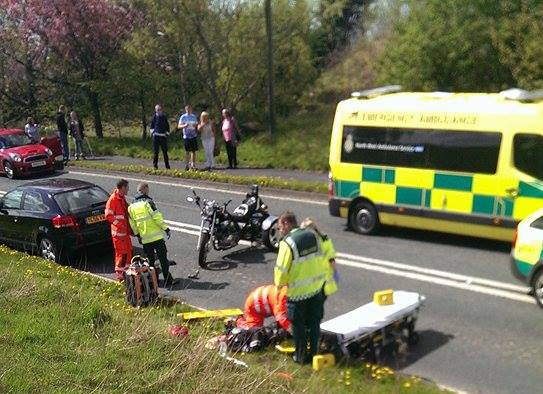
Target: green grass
(302, 143)
(66, 332)
(277, 183)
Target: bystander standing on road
(62, 128)
(206, 128)
(160, 129)
(117, 215)
(330, 286)
(302, 266)
(230, 132)
(148, 225)
(31, 130)
(188, 122)
(77, 132)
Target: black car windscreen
(450, 150)
(75, 201)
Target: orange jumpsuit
(263, 302)
(117, 215)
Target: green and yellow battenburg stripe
(467, 198)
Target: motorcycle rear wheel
(271, 237)
(202, 250)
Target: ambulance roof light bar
(369, 93)
(522, 95)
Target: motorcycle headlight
(208, 209)
(49, 152)
(16, 157)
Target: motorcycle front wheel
(271, 237)
(202, 250)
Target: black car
(54, 217)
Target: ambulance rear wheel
(363, 218)
(538, 287)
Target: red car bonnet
(25, 150)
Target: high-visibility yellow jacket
(146, 222)
(330, 286)
(301, 264)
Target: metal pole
(271, 103)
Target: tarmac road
(480, 331)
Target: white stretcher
(370, 328)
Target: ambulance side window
(528, 154)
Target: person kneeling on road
(148, 225)
(263, 302)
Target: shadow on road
(248, 255)
(429, 341)
(443, 238)
(189, 284)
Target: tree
(80, 37)
(445, 45)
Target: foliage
(444, 45)
(75, 39)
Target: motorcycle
(250, 221)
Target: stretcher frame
(369, 344)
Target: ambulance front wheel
(538, 287)
(363, 218)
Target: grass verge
(64, 331)
(278, 183)
(302, 142)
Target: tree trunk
(269, 52)
(95, 105)
(143, 117)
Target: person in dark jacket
(62, 128)
(160, 129)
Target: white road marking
(179, 184)
(434, 272)
(443, 278)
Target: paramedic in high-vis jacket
(148, 225)
(303, 267)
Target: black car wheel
(48, 250)
(363, 218)
(538, 287)
(9, 170)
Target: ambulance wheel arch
(363, 216)
(536, 283)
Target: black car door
(34, 214)
(10, 210)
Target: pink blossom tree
(80, 38)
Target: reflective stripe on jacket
(116, 213)
(301, 264)
(146, 222)
(330, 287)
(266, 301)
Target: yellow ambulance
(462, 163)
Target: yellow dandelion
(407, 385)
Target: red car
(19, 156)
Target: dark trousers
(160, 142)
(231, 151)
(64, 143)
(306, 316)
(160, 248)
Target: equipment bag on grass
(141, 282)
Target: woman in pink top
(230, 132)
